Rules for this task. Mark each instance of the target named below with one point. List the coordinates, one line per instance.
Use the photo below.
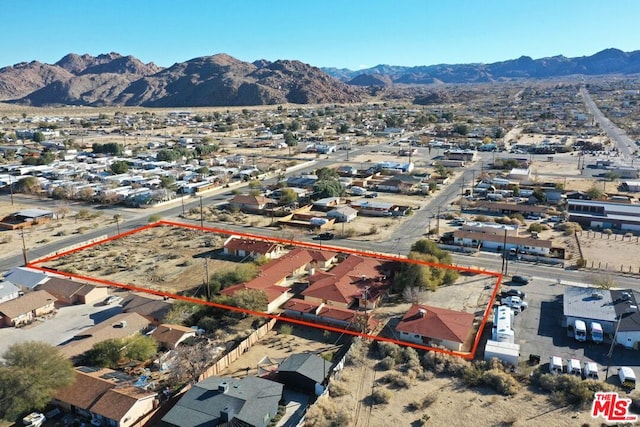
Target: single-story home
(217, 401)
(26, 278)
(495, 242)
(434, 326)
(152, 307)
(169, 336)
(23, 310)
(240, 247)
(343, 214)
(72, 292)
(104, 396)
(8, 291)
(247, 203)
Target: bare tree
(191, 361)
(413, 294)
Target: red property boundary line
(377, 255)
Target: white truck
(573, 367)
(596, 332)
(555, 365)
(580, 330)
(590, 371)
(517, 304)
(627, 377)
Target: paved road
(625, 145)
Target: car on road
(512, 293)
(326, 236)
(112, 299)
(521, 280)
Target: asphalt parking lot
(540, 330)
(68, 322)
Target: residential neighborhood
(202, 267)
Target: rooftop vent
(422, 312)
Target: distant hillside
(609, 61)
(218, 80)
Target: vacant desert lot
(164, 258)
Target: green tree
(28, 185)
(38, 137)
(343, 128)
(29, 376)
(140, 348)
(119, 166)
(154, 218)
(327, 173)
(105, 354)
(290, 140)
(287, 195)
(251, 299)
(594, 193)
(168, 182)
(313, 124)
(225, 278)
(328, 188)
(461, 129)
(539, 195)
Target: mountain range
(221, 80)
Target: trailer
(506, 352)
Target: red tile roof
(251, 246)
(347, 281)
(439, 323)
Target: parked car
(34, 419)
(326, 236)
(371, 195)
(512, 293)
(521, 280)
(112, 299)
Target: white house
(343, 214)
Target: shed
(303, 372)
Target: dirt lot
(453, 403)
(161, 258)
(610, 252)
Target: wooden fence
(232, 355)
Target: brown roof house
(106, 396)
(121, 325)
(169, 336)
(72, 292)
(23, 310)
(272, 278)
(252, 203)
(434, 326)
(252, 248)
(153, 307)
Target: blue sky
(325, 33)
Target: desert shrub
(581, 263)
(537, 227)
(607, 231)
(154, 218)
(357, 353)
(6, 239)
(385, 349)
(386, 363)
(286, 329)
(381, 396)
(396, 380)
(372, 230)
(570, 389)
(338, 388)
(500, 381)
(570, 228)
(483, 218)
(327, 413)
(441, 363)
(411, 358)
(349, 232)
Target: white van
(627, 377)
(573, 367)
(590, 371)
(580, 330)
(596, 332)
(358, 191)
(555, 365)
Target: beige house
(25, 309)
(169, 336)
(107, 397)
(72, 292)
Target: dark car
(326, 236)
(512, 293)
(521, 280)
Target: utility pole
(438, 222)
(201, 216)
(505, 261)
(11, 189)
(207, 290)
(24, 247)
(182, 200)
